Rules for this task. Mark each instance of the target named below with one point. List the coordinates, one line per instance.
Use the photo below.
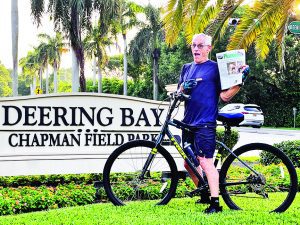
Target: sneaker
(212, 209)
(204, 199)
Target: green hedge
(54, 180)
(20, 194)
(290, 148)
(231, 142)
(137, 88)
(28, 199)
(48, 180)
(233, 138)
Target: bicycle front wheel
(271, 184)
(122, 174)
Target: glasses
(199, 46)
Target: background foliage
(276, 90)
(5, 81)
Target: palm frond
(195, 16)
(37, 10)
(281, 33)
(173, 20)
(254, 22)
(225, 12)
(139, 49)
(127, 18)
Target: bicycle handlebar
(180, 96)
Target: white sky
(28, 31)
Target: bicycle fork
(151, 156)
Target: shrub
(48, 180)
(290, 148)
(29, 199)
(231, 142)
(20, 194)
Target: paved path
(265, 135)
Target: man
(201, 112)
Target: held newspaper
(230, 65)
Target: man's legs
(204, 195)
(205, 145)
(189, 138)
(212, 175)
(191, 173)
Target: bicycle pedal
(98, 184)
(187, 193)
(193, 193)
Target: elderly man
(201, 112)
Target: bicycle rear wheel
(121, 174)
(274, 186)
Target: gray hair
(207, 38)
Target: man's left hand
(245, 70)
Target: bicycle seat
(231, 119)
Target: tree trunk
(155, 56)
(82, 81)
(55, 78)
(33, 86)
(41, 78)
(125, 66)
(76, 42)
(75, 72)
(47, 79)
(99, 79)
(155, 89)
(15, 39)
(94, 71)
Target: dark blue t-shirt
(202, 108)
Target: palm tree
(146, 43)
(42, 61)
(125, 21)
(73, 17)
(50, 50)
(30, 67)
(95, 45)
(98, 39)
(15, 39)
(261, 24)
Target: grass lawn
(178, 211)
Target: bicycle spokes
(131, 180)
(270, 188)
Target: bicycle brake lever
(185, 97)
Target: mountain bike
(253, 175)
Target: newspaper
(230, 65)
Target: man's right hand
(188, 85)
(245, 72)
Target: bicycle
(153, 172)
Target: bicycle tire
(280, 187)
(162, 175)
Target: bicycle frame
(165, 131)
(237, 178)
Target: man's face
(200, 50)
